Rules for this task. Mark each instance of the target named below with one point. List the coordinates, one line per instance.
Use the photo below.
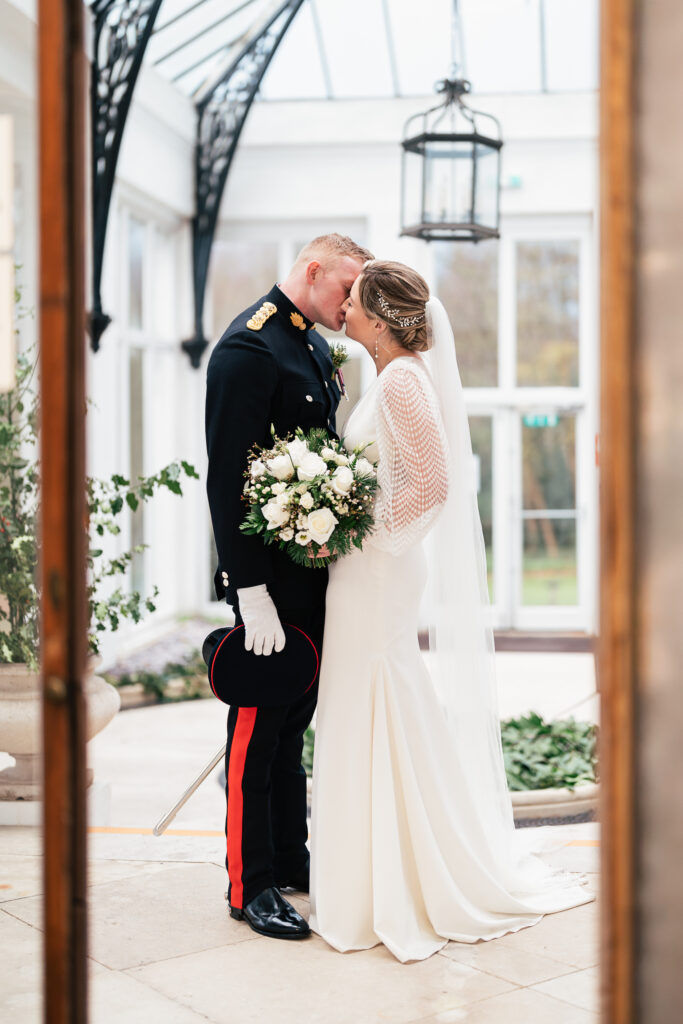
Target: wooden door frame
(62, 74)
(62, 93)
(616, 652)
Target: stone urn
(20, 725)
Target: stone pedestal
(20, 725)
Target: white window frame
(507, 403)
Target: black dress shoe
(270, 914)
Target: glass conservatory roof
(343, 49)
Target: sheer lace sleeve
(413, 464)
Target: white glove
(262, 628)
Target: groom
(271, 367)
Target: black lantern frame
(457, 171)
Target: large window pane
(213, 563)
(548, 462)
(351, 371)
(481, 429)
(136, 252)
(467, 284)
(137, 517)
(241, 272)
(548, 313)
(549, 562)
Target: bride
(412, 837)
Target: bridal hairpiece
(393, 314)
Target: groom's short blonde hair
(328, 249)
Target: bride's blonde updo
(397, 295)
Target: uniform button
(311, 347)
(309, 398)
(325, 383)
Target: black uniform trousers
(266, 821)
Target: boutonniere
(339, 355)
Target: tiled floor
(163, 949)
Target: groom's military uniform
(270, 368)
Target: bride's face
(359, 326)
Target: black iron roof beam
(178, 17)
(206, 57)
(122, 29)
(222, 112)
(202, 32)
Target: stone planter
(530, 804)
(134, 695)
(20, 725)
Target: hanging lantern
(451, 171)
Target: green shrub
(192, 672)
(544, 755)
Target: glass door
(554, 487)
(524, 318)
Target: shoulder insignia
(298, 321)
(256, 322)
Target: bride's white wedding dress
(399, 849)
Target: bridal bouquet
(309, 495)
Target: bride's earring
(376, 349)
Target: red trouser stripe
(244, 727)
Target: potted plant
(19, 595)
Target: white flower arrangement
(310, 495)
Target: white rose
(275, 515)
(281, 467)
(311, 466)
(279, 488)
(340, 459)
(257, 468)
(342, 480)
(297, 450)
(283, 499)
(321, 523)
(328, 453)
(307, 500)
(303, 539)
(364, 468)
(287, 533)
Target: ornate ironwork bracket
(221, 117)
(122, 31)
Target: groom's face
(329, 289)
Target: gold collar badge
(261, 315)
(298, 321)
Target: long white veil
(461, 634)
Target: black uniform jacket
(280, 373)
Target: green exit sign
(541, 420)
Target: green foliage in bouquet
(310, 496)
(19, 523)
(544, 755)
